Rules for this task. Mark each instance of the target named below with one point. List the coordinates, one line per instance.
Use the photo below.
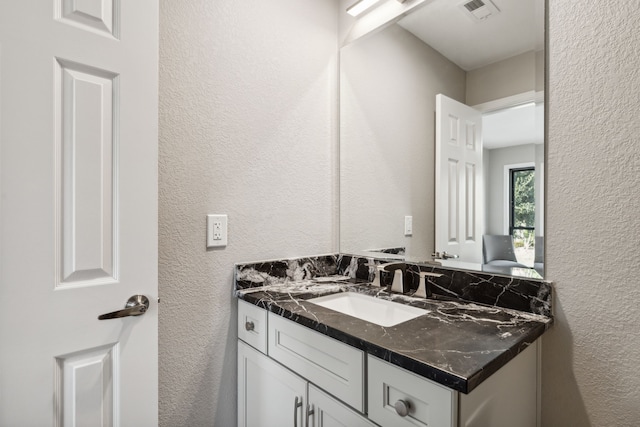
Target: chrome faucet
(397, 285)
(398, 269)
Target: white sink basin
(365, 307)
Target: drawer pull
(310, 412)
(249, 326)
(402, 407)
(296, 404)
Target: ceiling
(448, 27)
(523, 124)
(514, 27)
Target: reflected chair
(538, 262)
(499, 254)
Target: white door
(78, 212)
(459, 189)
(269, 395)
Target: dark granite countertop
(455, 343)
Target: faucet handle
(376, 276)
(430, 274)
(398, 281)
(397, 267)
(422, 291)
(371, 264)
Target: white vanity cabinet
(268, 393)
(272, 395)
(508, 398)
(290, 375)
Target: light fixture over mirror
(361, 6)
(389, 82)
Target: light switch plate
(408, 225)
(216, 231)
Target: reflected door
(78, 213)
(459, 200)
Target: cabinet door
(269, 395)
(329, 412)
(507, 398)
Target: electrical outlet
(216, 231)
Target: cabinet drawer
(252, 325)
(330, 364)
(429, 404)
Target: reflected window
(522, 213)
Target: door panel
(98, 16)
(85, 107)
(459, 191)
(78, 212)
(85, 386)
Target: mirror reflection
(438, 78)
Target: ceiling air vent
(480, 10)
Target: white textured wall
(502, 79)
(591, 356)
(388, 82)
(248, 110)
(247, 107)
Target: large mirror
(400, 191)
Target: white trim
(539, 382)
(540, 180)
(510, 101)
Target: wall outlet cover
(216, 231)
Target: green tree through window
(523, 210)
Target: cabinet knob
(249, 326)
(402, 408)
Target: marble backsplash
(528, 295)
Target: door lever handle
(444, 255)
(136, 305)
